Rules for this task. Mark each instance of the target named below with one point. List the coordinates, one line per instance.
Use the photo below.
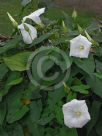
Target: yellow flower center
(81, 47)
(78, 113)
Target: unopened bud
(74, 14)
(14, 23)
(67, 89)
(91, 40)
(64, 27)
(80, 29)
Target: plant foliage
(29, 110)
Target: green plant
(30, 109)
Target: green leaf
(16, 109)
(10, 45)
(42, 38)
(95, 110)
(60, 41)
(32, 92)
(56, 96)
(98, 75)
(14, 78)
(83, 89)
(17, 114)
(93, 132)
(98, 37)
(93, 27)
(71, 96)
(35, 111)
(98, 66)
(17, 62)
(68, 20)
(67, 132)
(58, 113)
(35, 130)
(16, 130)
(2, 112)
(3, 71)
(99, 125)
(86, 65)
(3, 132)
(25, 2)
(16, 81)
(96, 85)
(46, 119)
(51, 132)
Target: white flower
(80, 47)
(29, 33)
(76, 113)
(35, 16)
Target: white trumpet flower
(80, 47)
(76, 114)
(35, 16)
(29, 33)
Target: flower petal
(71, 111)
(35, 16)
(28, 36)
(75, 45)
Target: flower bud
(88, 37)
(94, 43)
(65, 29)
(14, 23)
(80, 29)
(74, 14)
